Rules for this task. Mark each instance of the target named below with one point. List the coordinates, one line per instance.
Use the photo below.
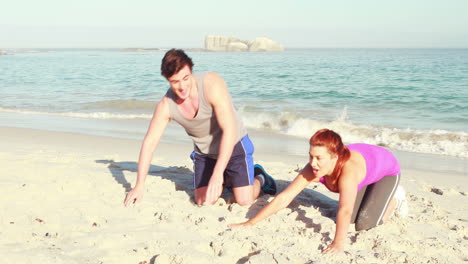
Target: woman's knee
(364, 224)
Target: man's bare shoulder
(213, 79)
(215, 88)
(162, 107)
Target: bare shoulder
(355, 168)
(213, 78)
(164, 101)
(215, 87)
(214, 81)
(162, 108)
(356, 159)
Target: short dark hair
(174, 61)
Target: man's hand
(334, 248)
(134, 196)
(214, 188)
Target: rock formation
(237, 46)
(265, 44)
(222, 43)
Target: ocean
(412, 100)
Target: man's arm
(155, 131)
(218, 96)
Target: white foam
(440, 142)
(94, 115)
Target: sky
(185, 23)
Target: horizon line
(203, 49)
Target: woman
(365, 176)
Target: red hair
(332, 141)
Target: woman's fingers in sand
(239, 225)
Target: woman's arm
(347, 186)
(283, 199)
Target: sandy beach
(62, 202)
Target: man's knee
(244, 201)
(243, 195)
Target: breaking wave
(440, 142)
(95, 115)
(437, 141)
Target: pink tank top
(379, 163)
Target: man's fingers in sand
(331, 249)
(128, 198)
(213, 192)
(132, 197)
(209, 194)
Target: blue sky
(185, 23)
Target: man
(223, 152)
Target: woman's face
(322, 161)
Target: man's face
(181, 82)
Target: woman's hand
(334, 248)
(240, 224)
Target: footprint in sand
(161, 217)
(437, 191)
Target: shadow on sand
(172, 173)
(307, 198)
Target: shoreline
(135, 128)
(64, 204)
(291, 150)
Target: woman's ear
(334, 157)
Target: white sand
(62, 202)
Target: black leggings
(372, 202)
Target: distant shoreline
(12, 51)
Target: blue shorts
(239, 171)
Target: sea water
(413, 100)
